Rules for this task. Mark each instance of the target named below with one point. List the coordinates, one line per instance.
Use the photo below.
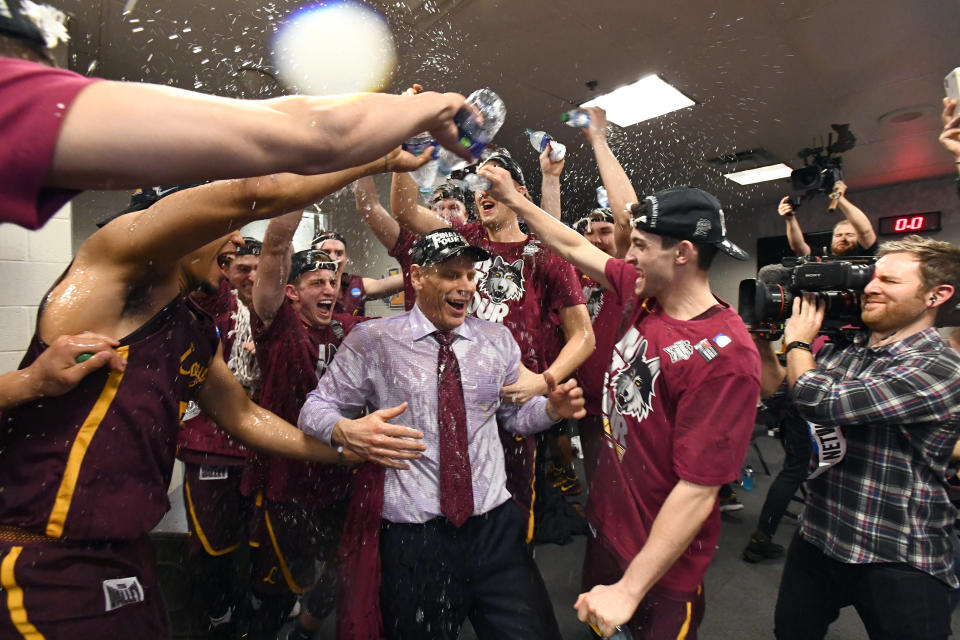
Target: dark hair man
(679, 402)
(85, 477)
(214, 461)
(852, 236)
(354, 290)
(450, 540)
(299, 506)
(877, 528)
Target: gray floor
(740, 596)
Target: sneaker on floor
(761, 547)
(730, 503)
(567, 482)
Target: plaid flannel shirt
(899, 409)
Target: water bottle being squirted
(747, 481)
(577, 118)
(425, 176)
(477, 122)
(602, 199)
(540, 139)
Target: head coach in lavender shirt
(450, 539)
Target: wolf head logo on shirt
(633, 383)
(503, 281)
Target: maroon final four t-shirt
(679, 402)
(519, 286)
(292, 357)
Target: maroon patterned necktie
(456, 484)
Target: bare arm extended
(224, 400)
(550, 184)
(561, 239)
(194, 137)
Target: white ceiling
(764, 74)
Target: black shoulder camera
(822, 166)
(765, 302)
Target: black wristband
(798, 344)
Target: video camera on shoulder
(766, 302)
(822, 166)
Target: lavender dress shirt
(385, 362)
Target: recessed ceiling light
(760, 174)
(646, 98)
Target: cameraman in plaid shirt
(877, 529)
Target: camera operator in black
(877, 528)
(852, 236)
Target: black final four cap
(686, 213)
(443, 244)
(309, 260)
(503, 158)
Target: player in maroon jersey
(354, 290)
(518, 286)
(213, 461)
(678, 402)
(83, 479)
(300, 506)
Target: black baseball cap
(442, 244)
(502, 157)
(601, 214)
(251, 247)
(686, 213)
(309, 260)
(14, 23)
(145, 198)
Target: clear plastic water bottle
(475, 182)
(425, 176)
(577, 118)
(602, 199)
(747, 481)
(475, 129)
(540, 140)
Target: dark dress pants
(434, 576)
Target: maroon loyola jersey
(95, 463)
(292, 358)
(679, 402)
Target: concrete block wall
(30, 261)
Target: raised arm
(379, 220)
(561, 239)
(794, 233)
(866, 236)
(408, 212)
(550, 183)
(193, 137)
(620, 192)
(224, 400)
(269, 290)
